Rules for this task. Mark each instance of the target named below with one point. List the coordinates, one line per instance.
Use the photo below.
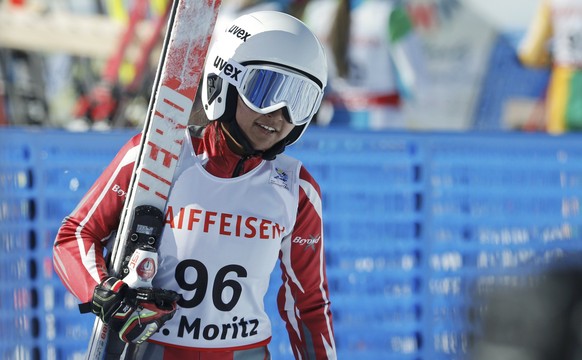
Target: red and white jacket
(222, 238)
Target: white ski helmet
(273, 61)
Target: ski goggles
(266, 88)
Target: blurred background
(447, 150)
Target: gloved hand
(136, 314)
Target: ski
(188, 33)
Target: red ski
(190, 27)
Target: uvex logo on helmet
(229, 70)
(239, 32)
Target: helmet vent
(213, 88)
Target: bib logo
(223, 224)
(281, 178)
(239, 33)
(239, 328)
(229, 70)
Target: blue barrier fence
(414, 224)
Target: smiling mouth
(267, 128)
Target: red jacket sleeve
(78, 248)
(303, 299)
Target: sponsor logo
(104, 329)
(309, 243)
(229, 70)
(118, 190)
(280, 178)
(239, 32)
(155, 175)
(226, 224)
(146, 269)
(148, 332)
(281, 175)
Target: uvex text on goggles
(266, 88)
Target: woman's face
(263, 131)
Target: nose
(276, 114)
(281, 113)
